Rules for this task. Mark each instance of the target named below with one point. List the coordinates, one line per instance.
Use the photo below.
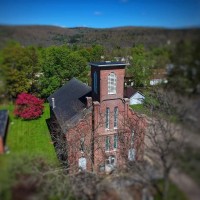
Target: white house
(135, 96)
(159, 76)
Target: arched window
(112, 82)
(95, 82)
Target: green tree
(160, 57)
(19, 66)
(185, 75)
(140, 65)
(85, 53)
(60, 64)
(96, 52)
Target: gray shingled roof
(69, 100)
(3, 122)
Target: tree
(140, 66)
(19, 66)
(28, 106)
(164, 141)
(185, 75)
(59, 65)
(160, 57)
(96, 52)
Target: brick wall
(1, 146)
(92, 128)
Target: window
(112, 81)
(110, 163)
(115, 117)
(82, 145)
(95, 82)
(107, 143)
(132, 137)
(107, 118)
(115, 141)
(82, 163)
(111, 160)
(131, 154)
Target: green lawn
(173, 194)
(29, 137)
(140, 109)
(26, 139)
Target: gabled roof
(69, 100)
(130, 91)
(3, 122)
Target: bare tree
(164, 140)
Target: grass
(173, 194)
(140, 109)
(26, 139)
(189, 162)
(30, 137)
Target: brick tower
(110, 107)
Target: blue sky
(101, 13)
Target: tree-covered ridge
(107, 37)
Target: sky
(101, 13)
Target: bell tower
(107, 80)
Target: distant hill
(108, 37)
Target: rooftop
(130, 91)
(107, 64)
(69, 100)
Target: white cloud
(97, 13)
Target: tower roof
(108, 64)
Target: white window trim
(112, 83)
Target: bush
(28, 106)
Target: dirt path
(186, 184)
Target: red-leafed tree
(28, 106)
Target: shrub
(28, 106)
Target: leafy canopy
(28, 106)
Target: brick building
(93, 128)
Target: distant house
(91, 120)
(134, 95)
(159, 76)
(128, 79)
(4, 121)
